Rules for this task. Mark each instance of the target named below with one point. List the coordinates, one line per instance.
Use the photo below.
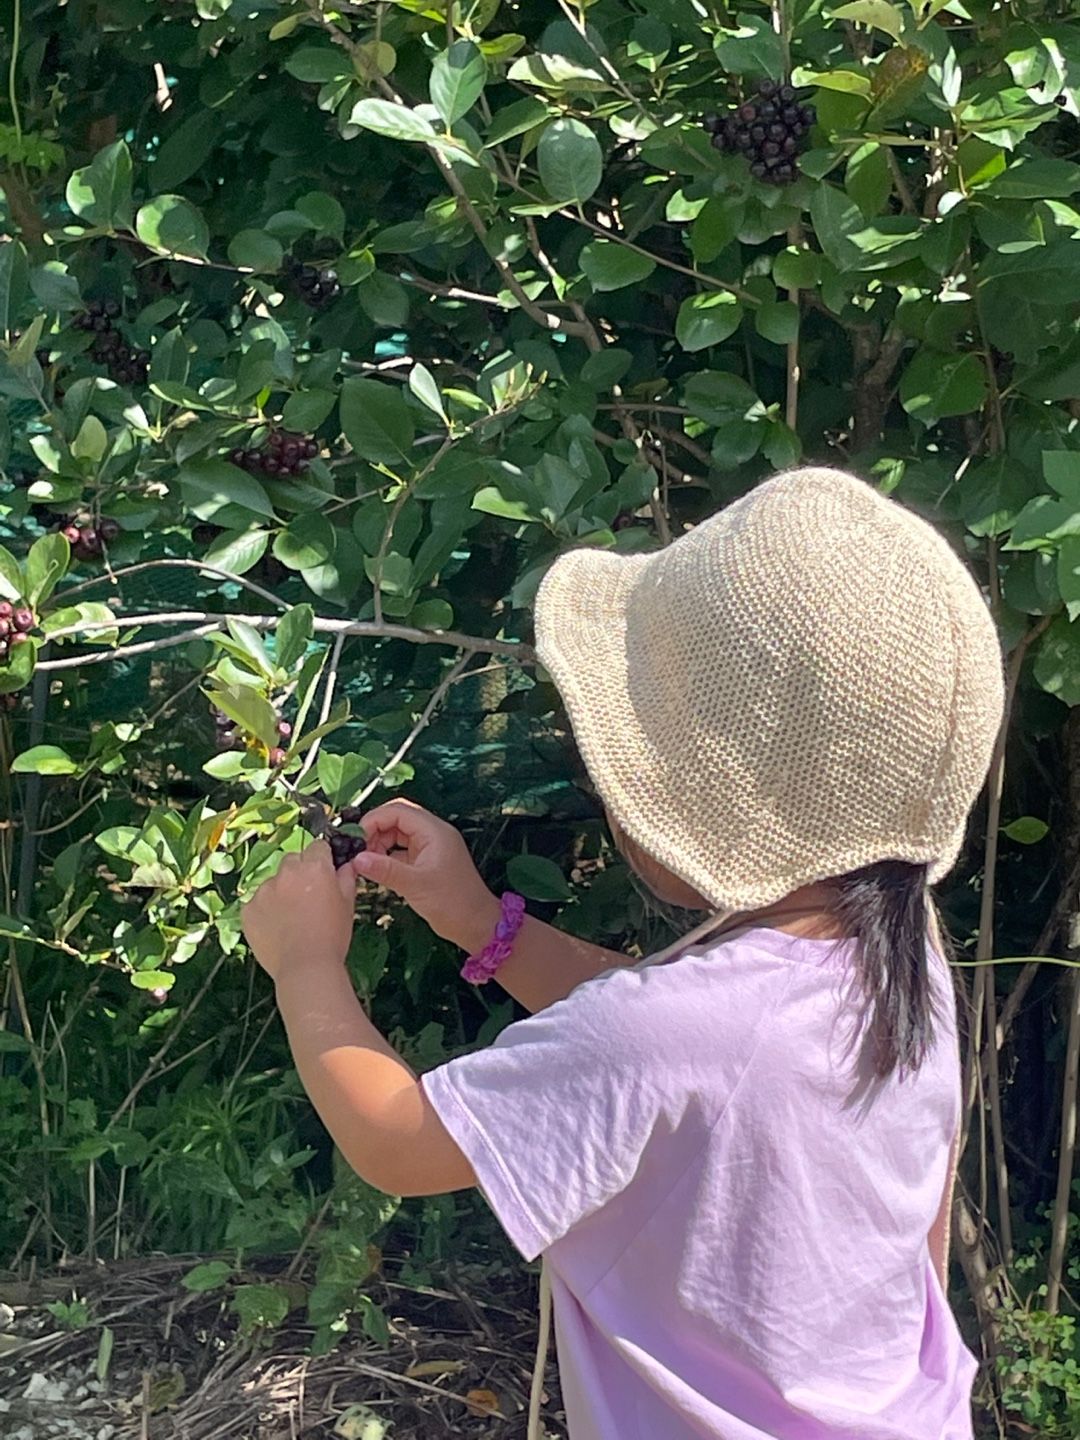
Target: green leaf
(423, 385)
(169, 359)
(868, 179)
(13, 282)
(342, 777)
(255, 250)
(171, 224)
(248, 709)
(91, 442)
(1061, 471)
(326, 213)
(877, 13)
(12, 582)
(522, 115)
(186, 150)
(457, 80)
(396, 121)
(611, 266)
(152, 979)
(237, 551)
(1028, 830)
(211, 1275)
(707, 319)
(210, 486)
(261, 1307)
(307, 541)
(1035, 179)
(795, 269)
(716, 226)
(292, 636)
(376, 421)
(1057, 661)
(104, 1353)
(317, 64)
(44, 760)
(46, 564)
(54, 288)
(1043, 521)
(778, 321)
(570, 161)
(992, 495)
(537, 878)
(1068, 574)
(752, 48)
(306, 410)
(937, 384)
(100, 193)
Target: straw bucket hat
(804, 684)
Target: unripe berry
(23, 619)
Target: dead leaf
(483, 1402)
(435, 1367)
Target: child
(736, 1161)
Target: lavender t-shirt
(735, 1216)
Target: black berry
(768, 129)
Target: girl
(736, 1159)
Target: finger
(404, 817)
(317, 855)
(347, 879)
(382, 870)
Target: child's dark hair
(886, 908)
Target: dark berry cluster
(769, 130)
(88, 540)
(125, 365)
(16, 622)
(228, 737)
(316, 287)
(346, 844)
(282, 454)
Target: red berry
(6, 609)
(23, 619)
(19, 639)
(284, 729)
(276, 756)
(5, 629)
(71, 534)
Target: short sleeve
(555, 1115)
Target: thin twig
(167, 564)
(327, 706)
(452, 676)
(207, 620)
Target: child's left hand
(303, 917)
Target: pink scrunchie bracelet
(479, 968)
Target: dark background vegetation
(564, 317)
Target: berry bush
(323, 331)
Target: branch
(327, 706)
(268, 595)
(207, 622)
(454, 674)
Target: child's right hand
(431, 869)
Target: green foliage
(564, 318)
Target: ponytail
(886, 908)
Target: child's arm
(298, 925)
(427, 863)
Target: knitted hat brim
(582, 641)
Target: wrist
(310, 971)
(478, 926)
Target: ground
(458, 1363)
